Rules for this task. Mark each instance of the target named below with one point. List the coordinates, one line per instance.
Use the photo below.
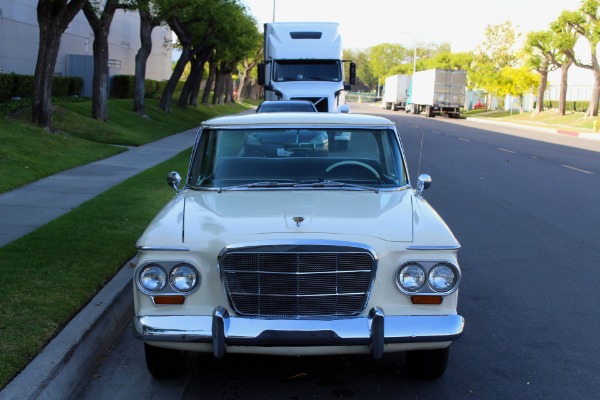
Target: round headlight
(183, 278)
(442, 278)
(411, 277)
(153, 278)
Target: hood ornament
(298, 220)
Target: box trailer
(437, 91)
(395, 92)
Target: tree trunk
(562, 99)
(147, 24)
(212, 72)
(186, 43)
(101, 27)
(542, 90)
(53, 17)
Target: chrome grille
(309, 281)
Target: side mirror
(344, 108)
(352, 77)
(261, 73)
(423, 183)
(174, 180)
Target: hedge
(14, 85)
(577, 106)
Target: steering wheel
(357, 163)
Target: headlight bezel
(428, 288)
(169, 288)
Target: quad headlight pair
(422, 278)
(179, 278)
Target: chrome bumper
(221, 330)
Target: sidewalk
(60, 368)
(25, 209)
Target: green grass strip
(52, 273)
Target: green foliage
(22, 86)
(574, 106)
(122, 86)
(6, 86)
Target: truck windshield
(296, 157)
(307, 70)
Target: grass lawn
(29, 153)
(53, 272)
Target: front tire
(427, 364)
(165, 363)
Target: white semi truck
(303, 60)
(395, 93)
(437, 92)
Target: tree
(584, 22)
(542, 51)
(100, 22)
(517, 81)
(53, 17)
(496, 52)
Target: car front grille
(304, 281)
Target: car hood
(198, 219)
(385, 216)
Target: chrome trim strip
(258, 245)
(239, 331)
(161, 248)
(454, 247)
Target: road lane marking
(506, 150)
(576, 169)
(438, 132)
(463, 139)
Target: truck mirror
(261, 74)
(352, 77)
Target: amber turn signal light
(426, 299)
(169, 299)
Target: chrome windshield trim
(453, 247)
(162, 248)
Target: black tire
(427, 364)
(429, 112)
(165, 363)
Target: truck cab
(303, 61)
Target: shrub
(6, 86)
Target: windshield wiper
(263, 184)
(329, 183)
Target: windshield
(278, 158)
(307, 70)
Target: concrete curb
(584, 135)
(59, 371)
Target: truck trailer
(437, 92)
(395, 94)
(303, 61)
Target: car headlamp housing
(168, 278)
(442, 277)
(183, 278)
(410, 277)
(428, 278)
(152, 278)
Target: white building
(19, 41)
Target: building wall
(19, 41)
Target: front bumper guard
(222, 330)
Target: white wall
(19, 41)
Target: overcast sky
(462, 23)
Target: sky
(462, 23)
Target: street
(525, 206)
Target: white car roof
(298, 118)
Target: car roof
(298, 118)
(286, 105)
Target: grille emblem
(298, 220)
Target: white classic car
(297, 251)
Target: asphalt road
(525, 206)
